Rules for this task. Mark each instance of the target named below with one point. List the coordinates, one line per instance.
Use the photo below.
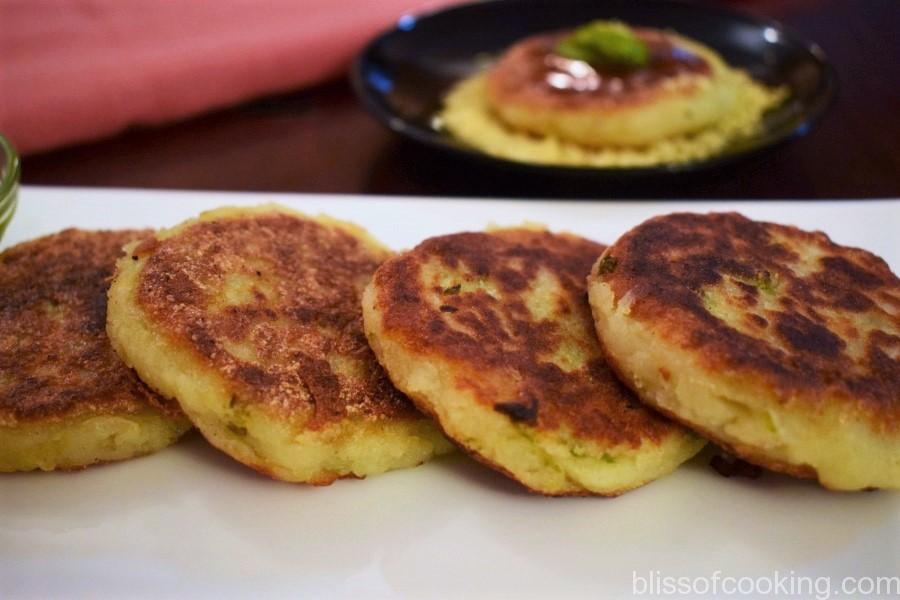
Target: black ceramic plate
(402, 76)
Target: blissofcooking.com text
(777, 585)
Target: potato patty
(250, 318)
(66, 400)
(491, 334)
(686, 88)
(776, 343)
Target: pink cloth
(75, 70)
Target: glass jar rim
(9, 176)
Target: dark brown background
(320, 140)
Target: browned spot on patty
(508, 358)
(55, 359)
(804, 336)
(271, 302)
(758, 320)
(832, 309)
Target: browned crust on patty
(303, 281)
(499, 349)
(518, 77)
(802, 348)
(55, 359)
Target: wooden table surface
(320, 140)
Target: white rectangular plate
(191, 522)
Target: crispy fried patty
(491, 334)
(686, 87)
(66, 400)
(772, 341)
(250, 318)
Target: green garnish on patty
(606, 44)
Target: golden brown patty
(532, 73)
(685, 88)
(66, 400)
(250, 317)
(772, 341)
(491, 334)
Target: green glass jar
(9, 183)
